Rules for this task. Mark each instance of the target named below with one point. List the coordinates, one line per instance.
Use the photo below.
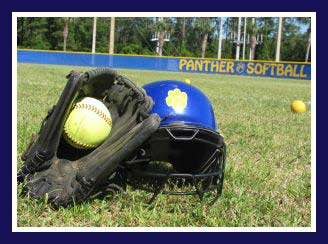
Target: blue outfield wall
(291, 70)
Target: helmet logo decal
(177, 100)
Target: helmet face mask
(187, 141)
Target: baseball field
(268, 167)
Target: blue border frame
(142, 5)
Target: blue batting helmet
(186, 139)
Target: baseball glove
(55, 170)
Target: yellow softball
(88, 124)
(187, 81)
(298, 106)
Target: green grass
(268, 171)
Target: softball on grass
(298, 106)
(187, 81)
(88, 124)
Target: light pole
(112, 35)
(279, 40)
(238, 39)
(94, 34)
(220, 38)
(244, 44)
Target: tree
(252, 30)
(191, 37)
(180, 29)
(203, 26)
(162, 26)
(267, 27)
(133, 35)
(308, 46)
(33, 33)
(227, 46)
(183, 38)
(306, 21)
(293, 41)
(65, 32)
(183, 31)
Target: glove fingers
(43, 189)
(38, 188)
(46, 144)
(104, 160)
(98, 81)
(53, 129)
(57, 184)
